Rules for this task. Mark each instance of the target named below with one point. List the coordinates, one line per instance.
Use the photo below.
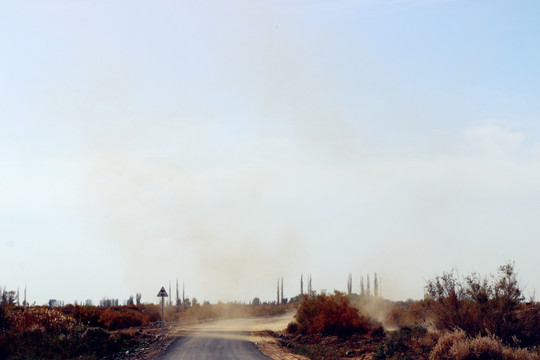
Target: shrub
(330, 315)
(483, 306)
(526, 330)
(42, 318)
(441, 351)
(152, 312)
(404, 343)
(457, 345)
(479, 348)
(292, 328)
(114, 318)
(87, 315)
(41, 332)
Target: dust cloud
(218, 200)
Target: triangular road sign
(162, 292)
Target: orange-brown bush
(86, 315)
(331, 315)
(114, 318)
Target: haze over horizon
(229, 143)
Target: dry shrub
(41, 332)
(484, 306)
(441, 351)
(526, 329)
(41, 319)
(520, 354)
(485, 347)
(457, 345)
(331, 315)
(292, 328)
(427, 342)
(87, 315)
(152, 312)
(115, 318)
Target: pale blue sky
(232, 142)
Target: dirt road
(213, 346)
(223, 339)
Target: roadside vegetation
(98, 332)
(69, 332)
(460, 318)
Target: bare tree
(375, 286)
(362, 290)
(349, 284)
(138, 298)
(309, 288)
(368, 292)
(301, 284)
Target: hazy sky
(227, 143)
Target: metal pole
(162, 315)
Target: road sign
(162, 292)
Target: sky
(229, 143)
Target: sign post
(162, 293)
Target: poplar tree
(277, 303)
(177, 294)
(282, 289)
(375, 286)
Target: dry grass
(456, 345)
